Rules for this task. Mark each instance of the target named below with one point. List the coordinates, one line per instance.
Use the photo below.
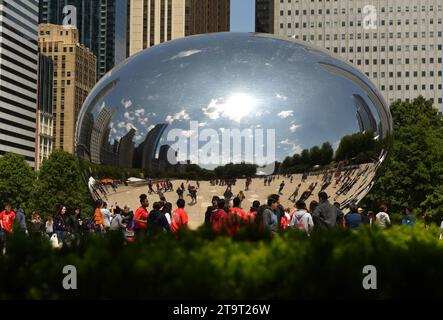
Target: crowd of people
(222, 216)
(225, 214)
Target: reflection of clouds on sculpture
(202, 88)
(185, 54)
(126, 103)
(179, 116)
(295, 148)
(281, 97)
(235, 107)
(294, 127)
(285, 114)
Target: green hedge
(409, 261)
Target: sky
(242, 15)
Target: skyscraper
(18, 77)
(102, 26)
(155, 21)
(45, 118)
(74, 77)
(396, 43)
(264, 16)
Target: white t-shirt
(383, 220)
(106, 217)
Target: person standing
(59, 224)
(302, 219)
(36, 225)
(253, 211)
(382, 218)
(219, 218)
(293, 196)
(408, 219)
(106, 216)
(20, 220)
(280, 189)
(266, 216)
(325, 215)
(141, 215)
(49, 228)
(116, 222)
(180, 192)
(7, 217)
(157, 221)
(179, 217)
(99, 221)
(353, 218)
(242, 197)
(211, 209)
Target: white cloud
(295, 148)
(281, 97)
(235, 107)
(185, 54)
(126, 103)
(129, 126)
(285, 114)
(121, 124)
(182, 115)
(139, 112)
(151, 127)
(128, 116)
(294, 127)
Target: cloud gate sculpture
(240, 110)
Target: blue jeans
(59, 235)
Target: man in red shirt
(237, 210)
(219, 218)
(179, 218)
(141, 215)
(7, 217)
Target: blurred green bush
(409, 262)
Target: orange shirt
(179, 218)
(98, 217)
(141, 214)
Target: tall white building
(396, 43)
(18, 77)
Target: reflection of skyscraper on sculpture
(100, 133)
(126, 149)
(145, 153)
(364, 115)
(84, 141)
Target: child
(49, 228)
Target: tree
(60, 182)
(16, 179)
(413, 172)
(327, 153)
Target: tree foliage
(197, 266)
(16, 179)
(60, 182)
(413, 173)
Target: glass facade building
(18, 77)
(102, 26)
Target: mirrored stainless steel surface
(181, 109)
